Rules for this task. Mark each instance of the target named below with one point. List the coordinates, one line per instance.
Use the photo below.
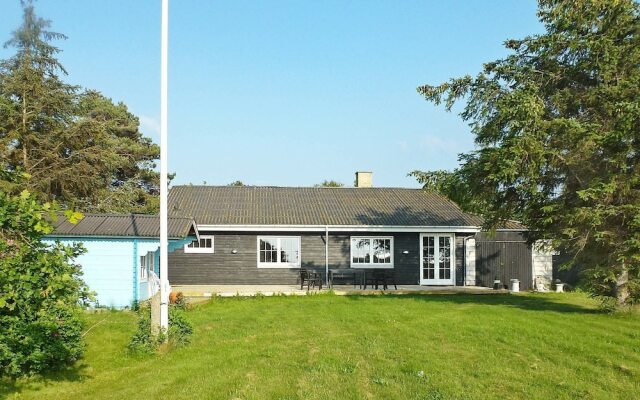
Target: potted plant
(496, 282)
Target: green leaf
(73, 216)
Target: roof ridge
(294, 187)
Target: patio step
(207, 291)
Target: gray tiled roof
(255, 205)
(129, 225)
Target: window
(151, 259)
(143, 268)
(278, 252)
(371, 252)
(204, 245)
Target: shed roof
(123, 225)
(267, 205)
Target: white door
(437, 259)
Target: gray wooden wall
(224, 267)
(505, 255)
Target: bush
(41, 290)
(180, 328)
(48, 343)
(144, 341)
(181, 301)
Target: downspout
(464, 262)
(326, 254)
(136, 289)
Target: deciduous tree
(41, 290)
(329, 183)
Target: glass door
(436, 261)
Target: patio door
(437, 259)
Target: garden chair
(311, 277)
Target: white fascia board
(338, 228)
(95, 237)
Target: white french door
(437, 259)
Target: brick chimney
(364, 179)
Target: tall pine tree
(557, 126)
(78, 147)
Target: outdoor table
(347, 273)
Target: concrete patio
(204, 291)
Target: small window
(143, 268)
(278, 252)
(372, 252)
(204, 245)
(151, 260)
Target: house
(122, 252)
(264, 235)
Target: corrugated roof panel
(256, 205)
(127, 225)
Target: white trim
(143, 267)
(201, 250)
(278, 264)
(371, 264)
(340, 228)
(452, 261)
(53, 236)
(326, 255)
(151, 261)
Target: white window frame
(371, 264)
(151, 261)
(201, 250)
(278, 264)
(144, 272)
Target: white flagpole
(164, 243)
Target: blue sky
(287, 93)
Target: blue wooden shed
(122, 252)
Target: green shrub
(145, 341)
(49, 342)
(41, 290)
(180, 328)
(181, 301)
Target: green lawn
(529, 346)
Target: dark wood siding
(505, 255)
(224, 267)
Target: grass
(386, 347)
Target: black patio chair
(311, 277)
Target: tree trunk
(24, 133)
(622, 287)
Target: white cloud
(149, 125)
